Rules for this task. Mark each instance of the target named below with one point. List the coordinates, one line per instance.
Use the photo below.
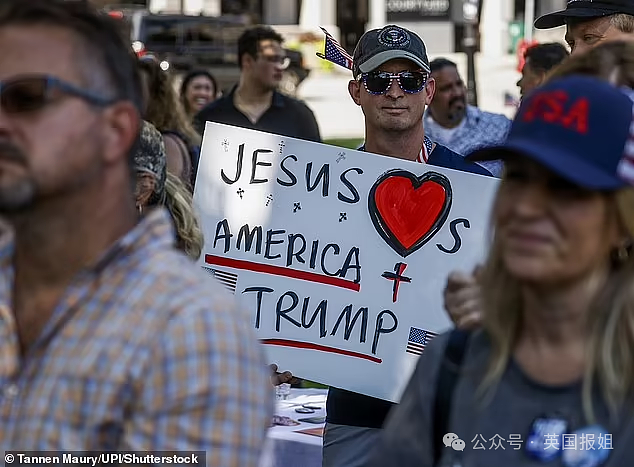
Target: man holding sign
(392, 86)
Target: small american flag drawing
(510, 100)
(228, 279)
(335, 53)
(418, 339)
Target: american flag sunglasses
(378, 82)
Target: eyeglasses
(378, 82)
(34, 92)
(283, 61)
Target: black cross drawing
(240, 192)
(282, 146)
(342, 155)
(297, 207)
(398, 277)
(343, 217)
(269, 198)
(225, 144)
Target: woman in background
(156, 187)
(164, 110)
(198, 89)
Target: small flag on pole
(335, 53)
(418, 339)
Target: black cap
(377, 46)
(587, 9)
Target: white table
(285, 447)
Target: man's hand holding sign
(341, 260)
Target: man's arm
(462, 300)
(205, 387)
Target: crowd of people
(113, 339)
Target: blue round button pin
(592, 446)
(544, 441)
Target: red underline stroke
(280, 271)
(321, 348)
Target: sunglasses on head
(34, 92)
(378, 82)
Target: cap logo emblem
(394, 37)
(554, 107)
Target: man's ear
(120, 131)
(247, 61)
(354, 89)
(430, 90)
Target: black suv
(184, 42)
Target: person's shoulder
(499, 119)
(442, 156)
(218, 105)
(184, 292)
(186, 279)
(294, 102)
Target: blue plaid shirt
(481, 129)
(144, 352)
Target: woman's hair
(611, 61)
(179, 203)
(610, 328)
(164, 109)
(168, 190)
(189, 77)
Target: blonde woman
(548, 379)
(612, 62)
(156, 187)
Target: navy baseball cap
(579, 127)
(584, 9)
(377, 46)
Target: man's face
(450, 101)
(583, 35)
(268, 67)
(55, 149)
(394, 110)
(530, 79)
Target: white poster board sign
(340, 255)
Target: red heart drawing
(406, 210)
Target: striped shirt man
(144, 352)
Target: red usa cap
(579, 127)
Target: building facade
(436, 21)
